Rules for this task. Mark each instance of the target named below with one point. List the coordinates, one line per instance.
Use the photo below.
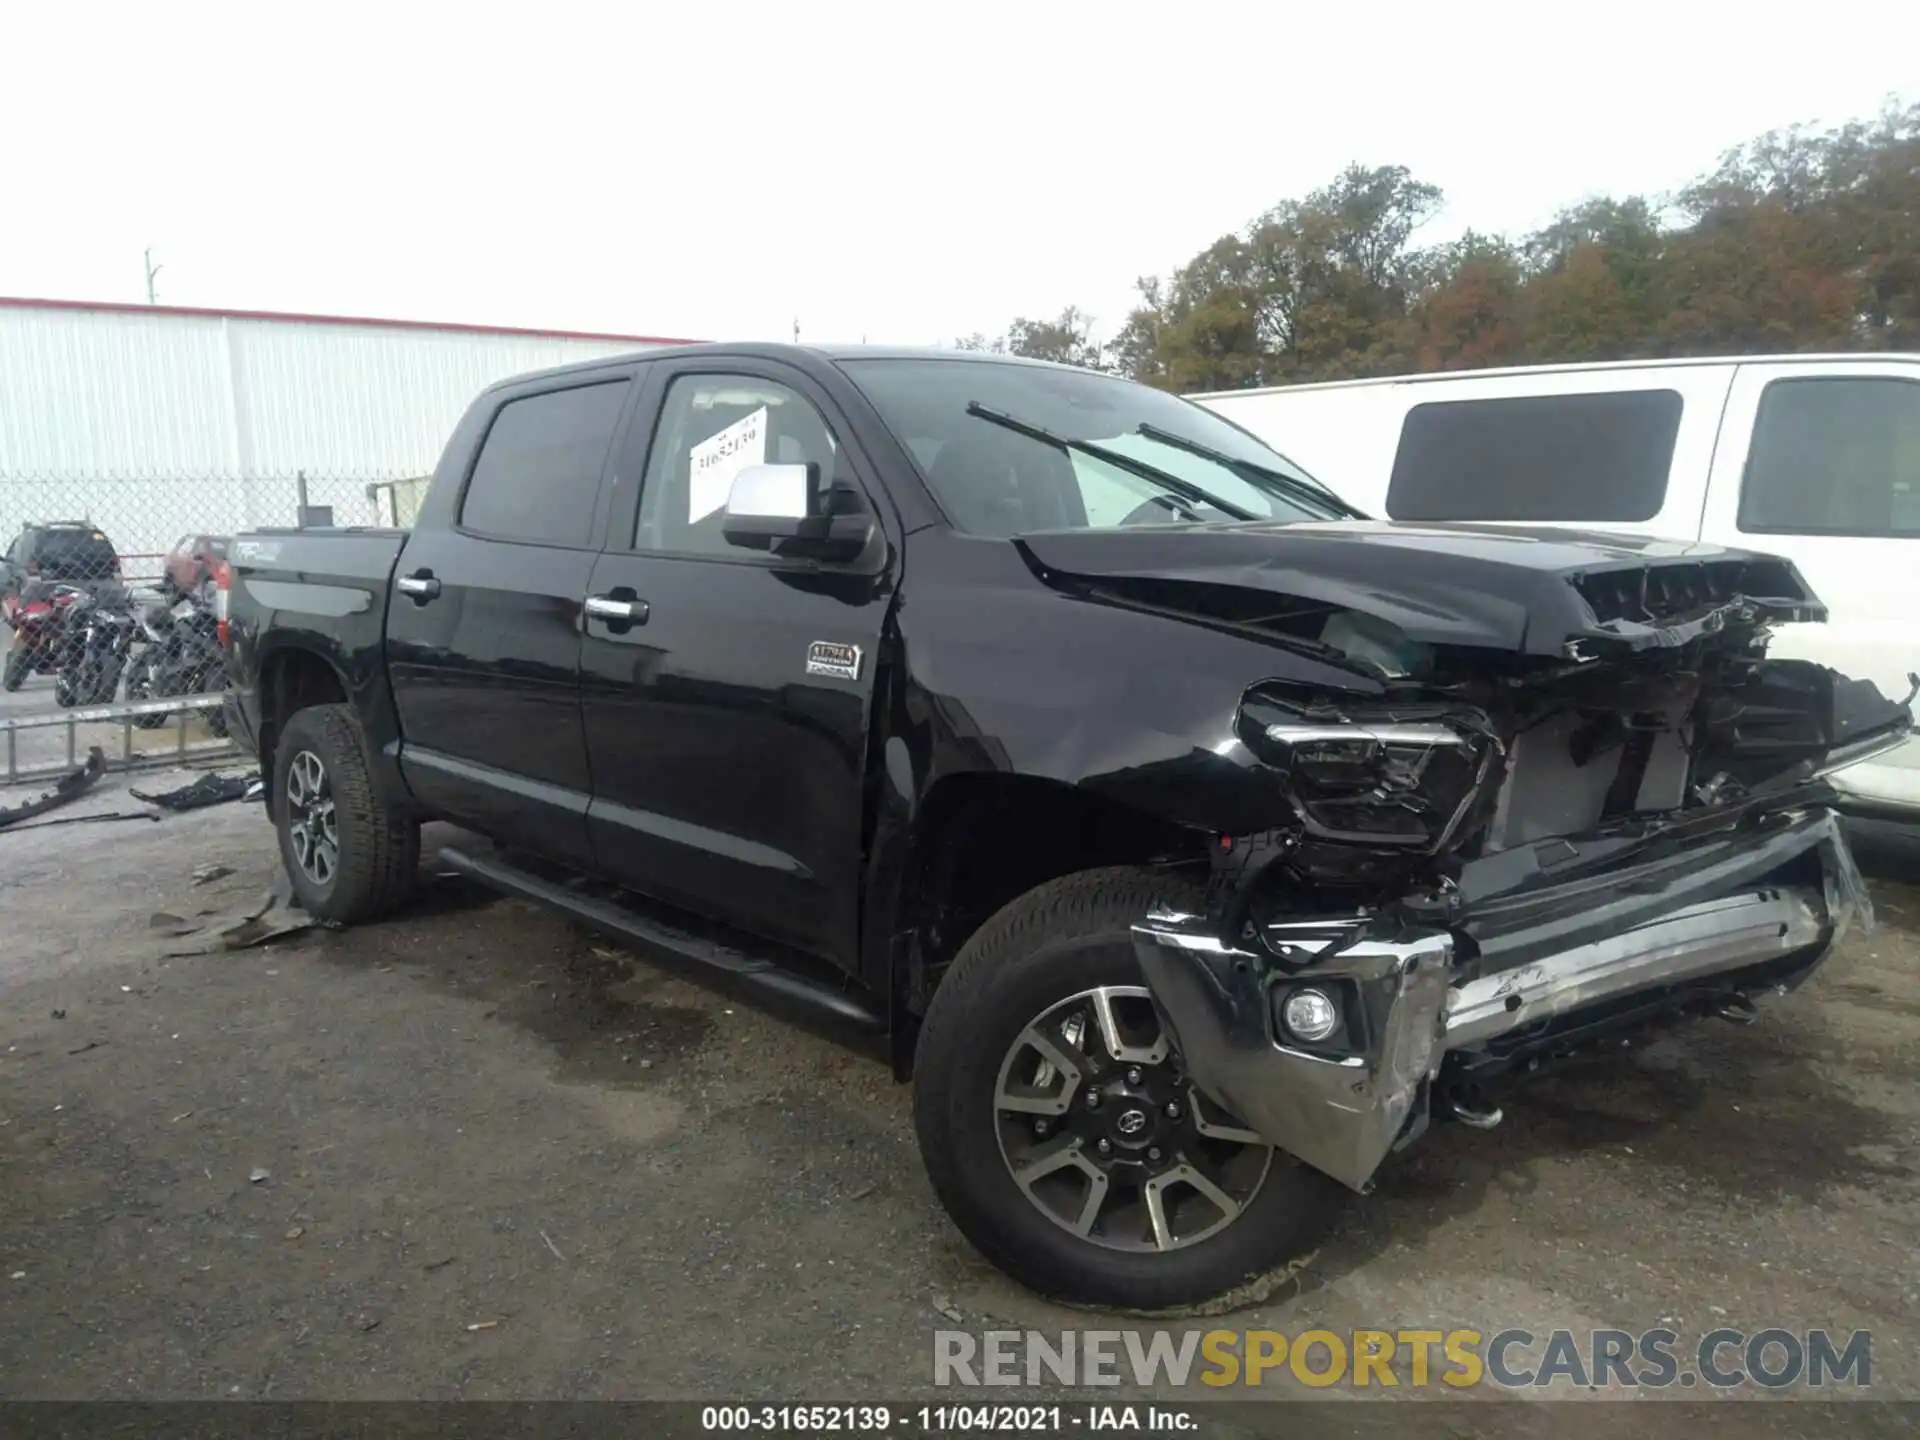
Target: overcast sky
(906, 172)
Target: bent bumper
(1764, 913)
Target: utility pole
(152, 271)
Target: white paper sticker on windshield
(716, 460)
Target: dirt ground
(478, 1116)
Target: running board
(750, 974)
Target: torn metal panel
(68, 788)
(209, 789)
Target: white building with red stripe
(154, 421)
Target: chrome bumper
(1342, 1109)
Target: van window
(1835, 456)
(1594, 457)
(538, 472)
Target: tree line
(1800, 240)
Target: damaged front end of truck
(1610, 813)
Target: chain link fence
(103, 579)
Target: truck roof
(1573, 368)
(764, 350)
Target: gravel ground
(505, 1160)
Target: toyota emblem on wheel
(1133, 1122)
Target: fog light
(1310, 1015)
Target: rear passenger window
(1838, 456)
(538, 472)
(1592, 458)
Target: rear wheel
(349, 856)
(1061, 1132)
(19, 663)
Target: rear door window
(1592, 458)
(537, 477)
(1835, 456)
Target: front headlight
(1378, 776)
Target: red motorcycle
(42, 640)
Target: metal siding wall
(152, 426)
(373, 404)
(97, 394)
(88, 394)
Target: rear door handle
(616, 611)
(420, 587)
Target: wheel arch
(981, 839)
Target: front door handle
(420, 587)
(615, 610)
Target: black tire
(1064, 937)
(140, 687)
(376, 850)
(68, 686)
(100, 680)
(215, 683)
(19, 665)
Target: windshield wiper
(1254, 471)
(1152, 474)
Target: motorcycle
(99, 635)
(183, 656)
(42, 639)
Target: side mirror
(783, 509)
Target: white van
(1815, 457)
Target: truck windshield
(1011, 448)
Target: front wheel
(19, 663)
(1061, 1132)
(349, 855)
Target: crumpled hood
(1533, 591)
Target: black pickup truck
(1191, 840)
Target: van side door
(1820, 461)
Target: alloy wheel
(1108, 1139)
(311, 826)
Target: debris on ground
(259, 1174)
(440, 1264)
(483, 1325)
(553, 1247)
(947, 1308)
(207, 874)
(210, 789)
(91, 819)
(90, 1045)
(295, 1232)
(70, 786)
(266, 917)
